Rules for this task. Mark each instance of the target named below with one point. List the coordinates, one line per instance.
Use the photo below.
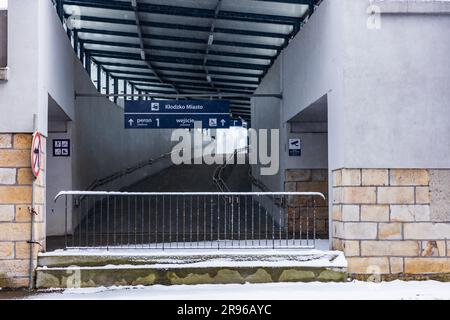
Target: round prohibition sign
(36, 154)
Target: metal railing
(127, 171)
(192, 220)
(218, 175)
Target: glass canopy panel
(264, 7)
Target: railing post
(107, 223)
(65, 223)
(218, 222)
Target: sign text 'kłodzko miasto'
(175, 114)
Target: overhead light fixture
(210, 39)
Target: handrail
(217, 176)
(256, 182)
(119, 174)
(118, 193)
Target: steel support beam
(184, 70)
(183, 77)
(178, 60)
(175, 26)
(179, 39)
(99, 78)
(184, 11)
(196, 95)
(177, 49)
(135, 4)
(107, 83)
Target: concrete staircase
(94, 268)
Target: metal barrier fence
(210, 220)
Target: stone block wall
(307, 180)
(16, 185)
(392, 221)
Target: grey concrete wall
(266, 114)
(311, 127)
(312, 67)
(38, 55)
(59, 177)
(101, 144)
(397, 93)
(387, 89)
(100, 147)
(18, 95)
(307, 70)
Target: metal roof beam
(179, 39)
(175, 26)
(178, 60)
(134, 4)
(238, 107)
(179, 69)
(245, 112)
(204, 88)
(193, 84)
(210, 43)
(299, 2)
(185, 11)
(146, 74)
(175, 49)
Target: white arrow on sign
(131, 121)
(223, 122)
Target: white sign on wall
(295, 148)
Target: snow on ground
(355, 290)
(241, 256)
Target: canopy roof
(187, 46)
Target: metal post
(82, 52)
(99, 78)
(65, 223)
(116, 88)
(88, 65)
(75, 42)
(60, 9)
(107, 82)
(125, 89)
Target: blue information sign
(173, 114)
(238, 123)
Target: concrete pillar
(308, 180)
(392, 222)
(16, 188)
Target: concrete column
(16, 188)
(392, 222)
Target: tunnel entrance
(156, 53)
(307, 171)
